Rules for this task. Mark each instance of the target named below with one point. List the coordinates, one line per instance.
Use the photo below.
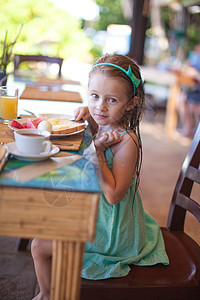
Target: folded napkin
(37, 169)
(4, 155)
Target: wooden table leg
(171, 110)
(66, 269)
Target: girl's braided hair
(131, 118)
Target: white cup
(33, 141)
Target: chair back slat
(189, 204)
(18, 59)
(193, 174)
(181, 199)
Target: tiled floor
(161, 165)
(17, 276)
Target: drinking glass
(8, 103)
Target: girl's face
(108, 98)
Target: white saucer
(11, 147)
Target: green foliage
(165, 17)
(110, 13)
(193, 33)
(6, 54)
(47, 30)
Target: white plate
(22, 120)
(11, 147)
(48, 116)
(59, 116)
(66, 134)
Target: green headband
(128, 73)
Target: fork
(30, 112)
(10, 135)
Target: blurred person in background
(189, 104)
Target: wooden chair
(179, 280)
(18, 59)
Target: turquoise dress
(125, 234)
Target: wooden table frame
(172, 102)
(29, 213)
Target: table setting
(30, 165)
(16, 146)
(21, 134)
(68, 139)
(20, 146)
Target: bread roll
(65, 126)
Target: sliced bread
(65, 126)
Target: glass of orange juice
(8, 103)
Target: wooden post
(138, 24)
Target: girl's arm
(82, 113)
(117, 181)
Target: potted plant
(6, 56)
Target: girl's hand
(106, 140)
(81, 113)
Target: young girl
(125, 233)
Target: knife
(4, 155)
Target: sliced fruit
(25, 125)
(16, 124)
(36, 122)
(30, 124)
